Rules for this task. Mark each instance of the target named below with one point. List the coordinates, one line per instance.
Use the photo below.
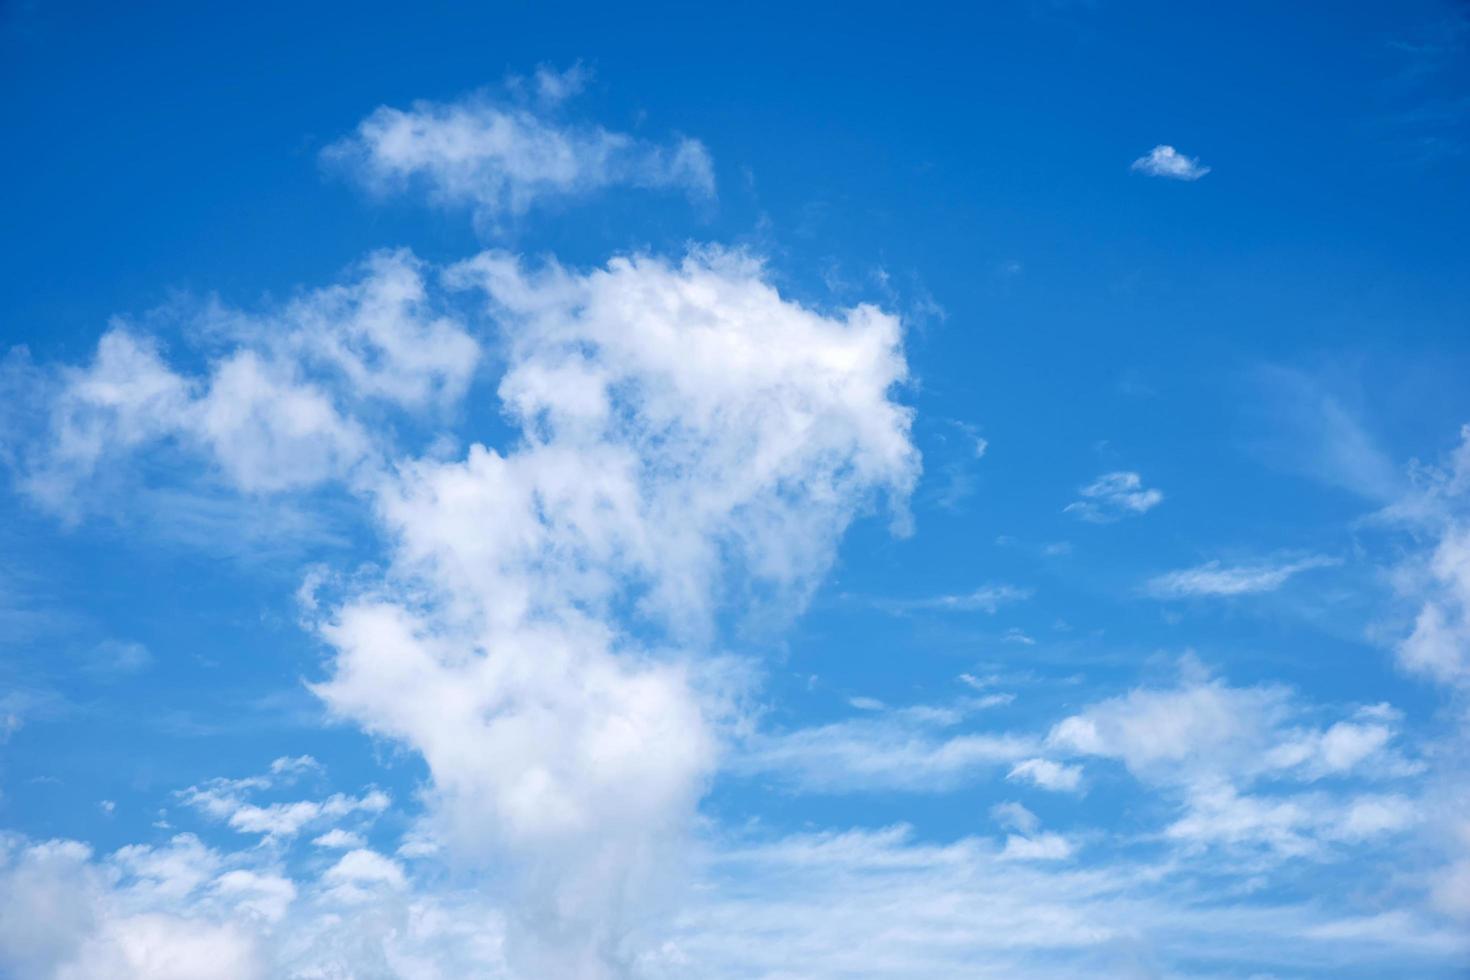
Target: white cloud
(226, 800)
(181, 910)
(1439, 645)
(966, 908)
(1165, 161)
(688, 437)
(1213, 579)
(276, 411)
(904, 749)
(690, 441)
(501, 160)
(339, 839)
(986, 598)
(1435, 578)
(1295, 824)
(1206, 743)
(1047, 774)
(1041, 847)
(288, 765)
(1113, 496)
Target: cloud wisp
(1214, 579)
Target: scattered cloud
(986, 599)
(227, 800)
(1438, 577)
(1209, 744)
(901, 749)
(1047, 774)
(277, 411)
(1214, 579)
(339, 839)
(1165, 161)
(1113, 496)
(500, 160)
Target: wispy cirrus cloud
(986, 599)
(1215, 579)
(1165, 161)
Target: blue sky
(776, 492)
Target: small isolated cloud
(1113, 496)
(1047, 774)
(1165, 161)
(1214, 579)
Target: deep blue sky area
(1189, 494)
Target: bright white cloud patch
(275, 412)
(1214, 579)
(1165, 161)
(1047, 774)
(689, 440)
(688, 436)
(1113, 496)
(500, 160)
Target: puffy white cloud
(1165, 161)
(502, 159)
(1113, 496)
(275, 411)
(690, 441)
(688, 437)
(1214, 579)
(182, 910)
(61, 917)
